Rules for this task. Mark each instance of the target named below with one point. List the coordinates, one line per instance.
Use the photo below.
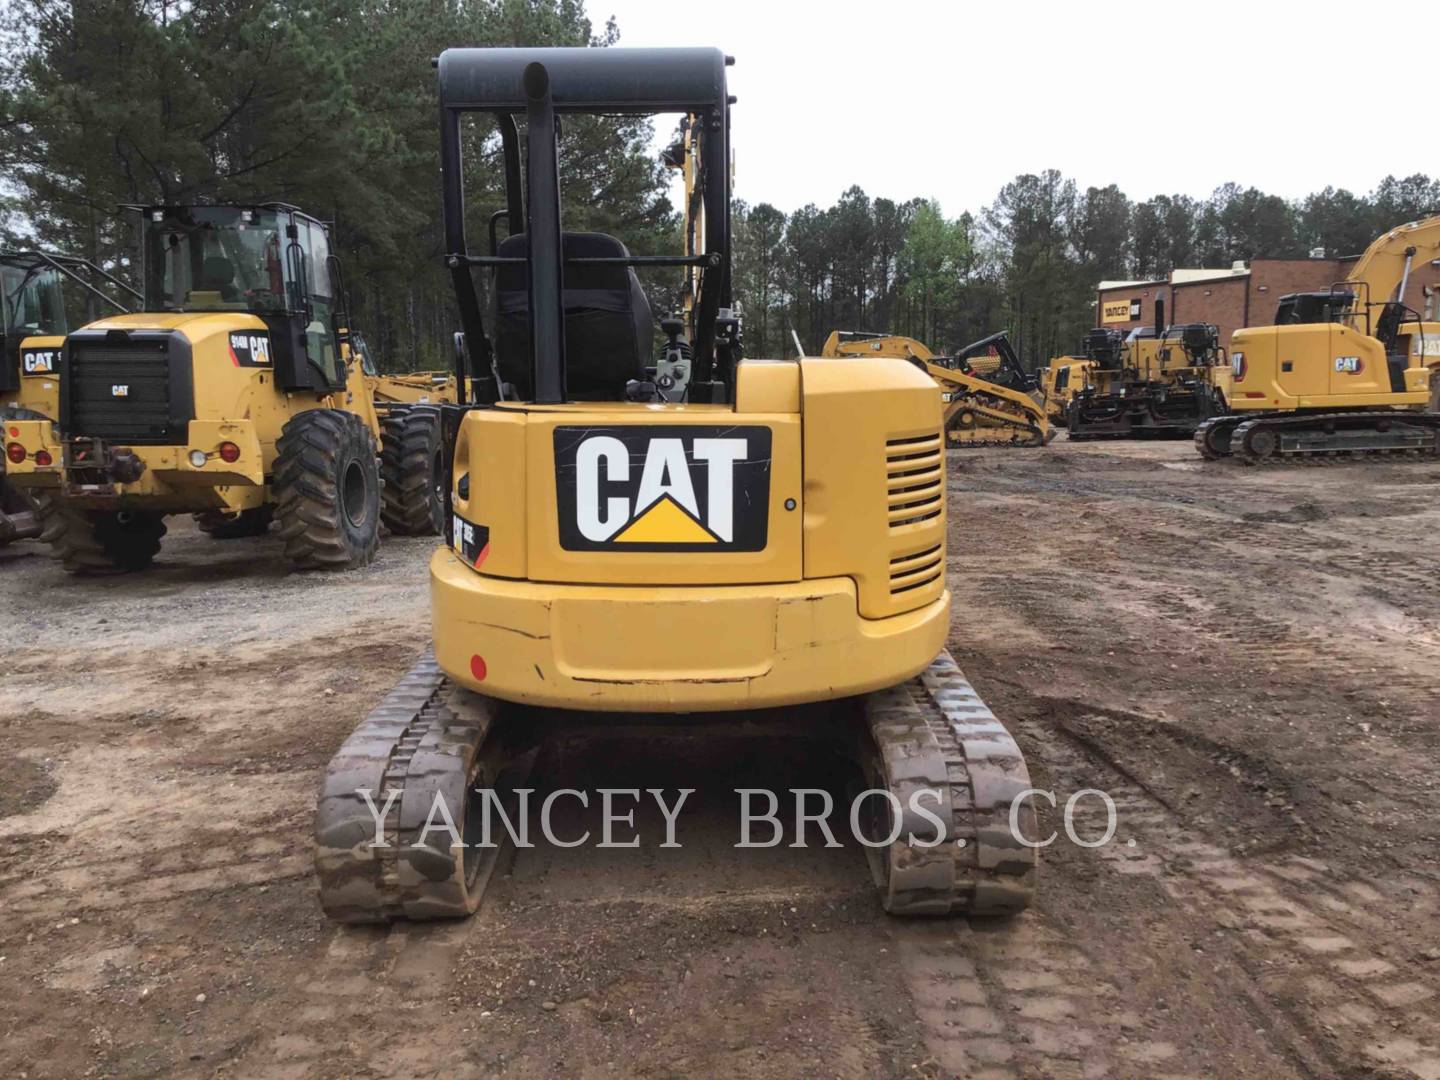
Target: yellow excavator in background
(985, 390)
(1343, 372)
(1058, 384)
(41, 293)
(759, 541)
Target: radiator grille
(120, 391)
(916, 570)
(914, 481)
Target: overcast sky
(951, 100)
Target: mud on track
(1247, 661)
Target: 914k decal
(663, 487)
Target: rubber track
(935, 733)
(1000, 412)
(422, 740)
(1237, 441)
(426, 738)
(1201, 447)
(408, 439)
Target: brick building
(1243, 295)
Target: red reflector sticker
(478, 668)
(484, 554)
(14, 432)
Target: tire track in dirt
(1304, 926)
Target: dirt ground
(1246, 661)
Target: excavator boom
(1388, 264)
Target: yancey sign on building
(1119, 310)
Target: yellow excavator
(761, 542)
(40, 292)
(1346, 372)
(984, 388)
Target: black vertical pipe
(545, 266)
(716, 174)
(452, 190)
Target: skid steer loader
(764, 542)
(39, 293)
(985, 390)
(234, 395)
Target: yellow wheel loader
(1347, 372)
(411, 464)
(234, 395)
(38, 291)
(984, 389)
(759, 541)
(1160, 381)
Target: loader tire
(95, 542)
(327, 491)
(412, 499)
(18, 519)
(219, 525)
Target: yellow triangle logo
(664, 522)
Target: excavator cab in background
(41, 294)
(1353, 371)
(767, 547)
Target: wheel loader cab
(766, 533)
(32, 306)
(272, 262)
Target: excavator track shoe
(426, 741)
(934, 734)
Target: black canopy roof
(589, 80)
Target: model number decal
(470, 541)
(250, 350)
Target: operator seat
(217, 275)
(609, 330)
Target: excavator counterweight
(692, 543)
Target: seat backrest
(217, 275)
(609, 331)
